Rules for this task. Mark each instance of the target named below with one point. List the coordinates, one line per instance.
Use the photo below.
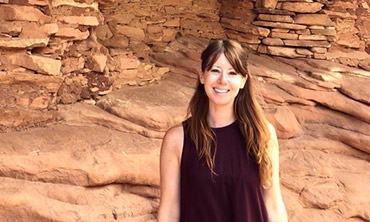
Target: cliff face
(101, 162)
(87, 90)
(61, 52)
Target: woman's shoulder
(173, 140)
(175, 132)
(272, 130)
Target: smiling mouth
(221, 90)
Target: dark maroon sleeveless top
(233, 195)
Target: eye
(233, 73)
(215, 70)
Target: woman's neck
(220, 117)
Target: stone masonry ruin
(65, 51)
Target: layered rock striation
(80, 139)
(101, 162)
(63, 52)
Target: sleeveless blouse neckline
(222, 128)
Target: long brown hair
(248, 112)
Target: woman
(222, 163)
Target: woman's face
(222, 83)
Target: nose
(223, 78)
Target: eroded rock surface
(101, 162)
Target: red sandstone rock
(323, 150)
(302, 7)
(285, 123)
(100, 162)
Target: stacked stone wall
(144, 24)
(290, 28)
(302, 29)
(295, 29)
(48, 45)
(49, 54)
(64, 51)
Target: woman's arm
(169, 207)
(272, 195)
